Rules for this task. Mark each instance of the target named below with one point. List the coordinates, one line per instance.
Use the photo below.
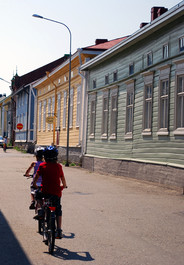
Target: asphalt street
(106, 220)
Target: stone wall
(163, 174)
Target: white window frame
(179, 99)
(53, 109)
(44, 114)
(64, 108)
(147, 102)
(105, 114)
(129, 110)
(78, 106)
(149, 59)
(114, 113)
(49, 113)
(92, 100)
(58, 110)
(163, 101)
(39, 115)
(165, 51)
(71, 107)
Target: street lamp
(5, 80)
(58, 22)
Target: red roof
(19, 81)
(105, 45)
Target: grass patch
(19, 149)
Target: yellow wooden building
(52, 102)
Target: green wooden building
(135, 95)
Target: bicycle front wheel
(51, 232)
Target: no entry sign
(19, 126)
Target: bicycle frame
(49, 224)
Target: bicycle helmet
(50, 153)
(39, 152)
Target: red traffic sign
(19, 126)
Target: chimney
(157, 11)
(143, 24)
(99, 41)
(161, 11)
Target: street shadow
(11, 252)
(69, 235)
(65, 254)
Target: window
(78, 106)
(65, 78)
(129, 110)
(131, 69)
(180, 102)
(94, 83)
(107, 79)
(92, 115)
(163, 104)
(181, 44)
(53, 108)
(44, 114)
(58, 110)
(64, 109)
(49, 111)
(113, 121)
(105, 112)
(147, 107)
(115, 76)
(149, 59)
(71, 108)
(40, 115)
(165, 51)
(179, 99)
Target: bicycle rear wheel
(51, 232)
(40, 226)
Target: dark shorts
(56, 201)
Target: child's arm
(29, 169)
(63, 180)
(35, 180)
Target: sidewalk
(106, 220)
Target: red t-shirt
(51, 177)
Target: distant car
(1, 141)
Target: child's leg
(59, 222)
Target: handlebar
(28, 177)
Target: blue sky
(28, 43)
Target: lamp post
(5, 80)
(68, 127)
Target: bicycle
(47, 220)
(48, 223)
(40, 225)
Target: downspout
(84, 101)
(35, 115)
(27, 115)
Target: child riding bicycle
(52, 177)
(35, 165)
